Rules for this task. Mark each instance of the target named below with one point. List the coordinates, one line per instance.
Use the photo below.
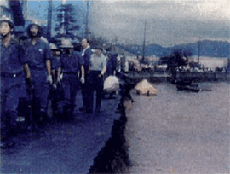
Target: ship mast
(87, 20)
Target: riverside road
(180, 132)
(63, 147)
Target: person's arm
(103, 70)
(53, 73)
(59, 75)
(47, 59)
(81, 63)
(48, 67)
(87, 61)
(48, 63)
(82, 71)
(27, 70)
(90, 61)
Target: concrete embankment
(114, 157)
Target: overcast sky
(169, 22)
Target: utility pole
(198, 49)
(87, 20)
(143, 47)
(116, 40)
(49, 25)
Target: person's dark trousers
(95, 84)
(12, 88)
(89, 97)
(40, 94)
(85, 91)
(70, 85)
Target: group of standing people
(35, 65)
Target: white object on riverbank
(145, 88)
(111, 84)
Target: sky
(169, 22)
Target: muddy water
(180, 132)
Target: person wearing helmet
(55, 64)
(38, 68)
(70, 63)
(55, 90)
(11, 81)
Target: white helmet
(7, 19)
(66, 43)
(53, 46)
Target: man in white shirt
(97, 69)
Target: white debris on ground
(111, 84)
(145, 88)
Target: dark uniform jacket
(11, 57)
(86, 58)
(71, 64)
(37, 54)
(111, 64)
(55, 63)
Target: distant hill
(207, 48)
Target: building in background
(66, 21)
(5, 9)
(14, 10)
